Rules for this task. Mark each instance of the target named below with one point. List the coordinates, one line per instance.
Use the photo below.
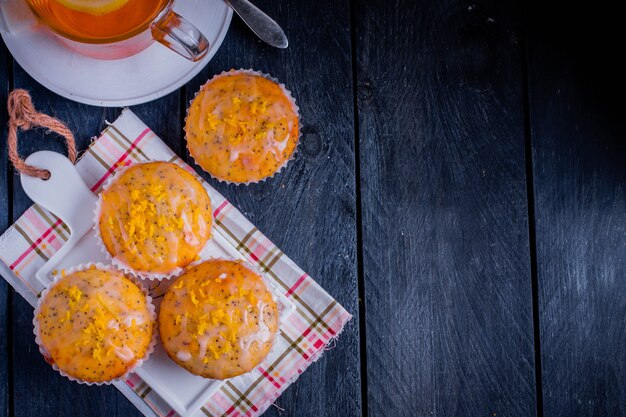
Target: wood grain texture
(445, 233)
(578, 132)
(5, 201)
(308, 210)
(38, 389)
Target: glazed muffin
(154, 218)
(94, 325)
(242, 127)
(218, 320)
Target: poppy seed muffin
(242, 127)
(154, 218)
(218, 320)
(95, 324)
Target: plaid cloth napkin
(318, 318)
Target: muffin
(94, 325)
(154, 219)
(218, 320)
(242, 127)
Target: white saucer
(144, 77)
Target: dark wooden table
(460, 189)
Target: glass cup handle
(180, 36)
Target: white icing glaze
(124, 353)
(138, 319)
(203, 343)
(263, 335)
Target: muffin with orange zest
(242, 127)
(94, 325)
(218, 319)
(154, 219)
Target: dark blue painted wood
(5, 201)
(444, 216)
(309, 209)
(578, 127)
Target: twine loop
(22, 115)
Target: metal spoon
(260, 23)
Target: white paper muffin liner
(83, 267)
(116, 261)
(271, 288)
(284, 90)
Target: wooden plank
(580, 206)
(308, 210)
(39, 390)
(444, 209)
(5, 202)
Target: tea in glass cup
(111, 29)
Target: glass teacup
(113, 29)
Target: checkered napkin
(318, 318)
